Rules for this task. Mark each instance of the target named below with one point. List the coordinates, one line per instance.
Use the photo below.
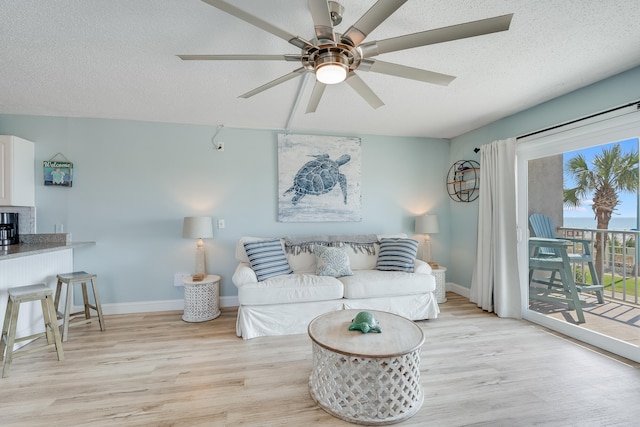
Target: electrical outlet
(220, 146)
(220, 224)
(179, 277)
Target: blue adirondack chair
(542, 226)
(557, 281)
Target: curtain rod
(636, 103)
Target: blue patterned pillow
(397, 255)
(267, 259)
(331, 261)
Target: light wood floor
(156, 370)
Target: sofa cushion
(332, 261)
(361, 260)
(267, 258)
(375, 283)
(303, 262)
(397, 254)
(291, 288)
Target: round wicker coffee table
(371, 378)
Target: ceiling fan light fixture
(331, 68)
(331, 74)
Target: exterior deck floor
(614, 318)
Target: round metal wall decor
(463, 181)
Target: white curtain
(495, 283)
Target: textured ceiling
(117, 59)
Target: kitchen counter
(27, 249)
(34, 244)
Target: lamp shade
(427, 224)
(197, 227)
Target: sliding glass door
(560, 180)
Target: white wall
(135, 181)
(608, 93)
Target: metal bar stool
(17, 296)
(71, 279)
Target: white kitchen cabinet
(17, 171)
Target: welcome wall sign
(58, 173)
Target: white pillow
(360, 259)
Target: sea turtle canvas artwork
(318, 178)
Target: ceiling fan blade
(363, 90)
(286, 77)
(318, 91)
(258, 22)
(285, 57)
(439, 35)
(398, 70)
(322, 20)
(370, 20)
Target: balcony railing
(618, 266)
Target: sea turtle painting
(365, 322)
(318, 177)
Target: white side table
(439, 274)
(201, 299)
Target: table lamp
(427, 224)
(198, 227)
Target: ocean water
(616, 223)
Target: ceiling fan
(334, 57)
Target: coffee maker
(9, 229)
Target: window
(546, 150)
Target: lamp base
(426, 256)
(200, 271)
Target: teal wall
(608, 93)
(135, 181)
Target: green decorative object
(365, 322)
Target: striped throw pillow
(397, 255)
(267, 259)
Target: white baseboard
(458, 289)
(152, 306)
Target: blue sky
(627, 207)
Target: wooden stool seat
(67, 316)
(17, 296)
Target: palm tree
(613, 171)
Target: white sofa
(286, 303)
